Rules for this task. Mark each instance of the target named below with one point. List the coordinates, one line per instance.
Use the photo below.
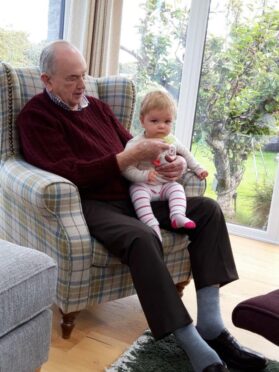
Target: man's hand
(146, 150)
(149, 149)
(174, 170)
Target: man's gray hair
(47, 57)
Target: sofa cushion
(27, 284)
(259, 315)
(26, 348)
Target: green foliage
(16, 49)
(13, 45)
(240, 82)
(163, 33)
(261, 206)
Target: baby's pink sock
(179, 220)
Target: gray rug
(146, 355)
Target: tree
(16, 49)
(239, 99)
(163, 34)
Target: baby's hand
(203, 175)
(152, 176)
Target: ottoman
(27, 288)
(259, 315)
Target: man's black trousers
(115, 225)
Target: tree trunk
(226, 182)
(226, 200)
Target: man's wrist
(125, 159)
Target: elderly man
(78, 137)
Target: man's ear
(46, 80)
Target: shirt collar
(58, 101)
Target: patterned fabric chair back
(19, 85)
(10, 106)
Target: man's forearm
(146, 150)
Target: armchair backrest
(19, 85)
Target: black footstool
(259, 315)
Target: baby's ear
(141, 118)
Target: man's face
(67, 79)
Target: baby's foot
(179, 220)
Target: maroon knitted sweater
(78, 145)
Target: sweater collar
(58, 101)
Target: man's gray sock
(209, 320)
(198, 351)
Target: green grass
(260, 168)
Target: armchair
(43, 210)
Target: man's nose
(81, 83)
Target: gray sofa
(27, 288)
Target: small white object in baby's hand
(171, 153)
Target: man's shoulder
(95, 100)
(38, 105)
(36, 100)
(98, 103)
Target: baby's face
(157, 123)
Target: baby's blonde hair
(158, 100)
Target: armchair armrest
(51, 197)
(43, 211)
(36, 188)
(192, 184)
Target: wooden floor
(104, 331)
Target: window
(219, 59)
(26, 26)
(236, 122)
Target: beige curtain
(94, 26)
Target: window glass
(237, 123)
(26, 26)
(152, 47)
(234, 117)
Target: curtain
(94, 27)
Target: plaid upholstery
(43, 211)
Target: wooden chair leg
(68, 323)
(180, 287)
